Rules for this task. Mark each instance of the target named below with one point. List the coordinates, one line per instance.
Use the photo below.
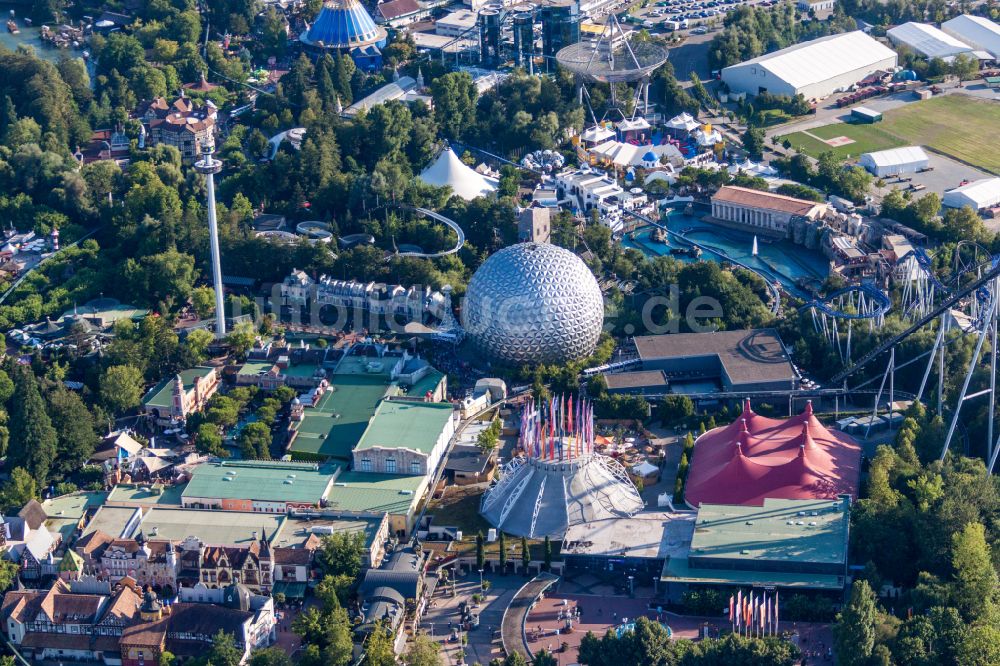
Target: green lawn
(963, 127)
(955, 125)
(867, 138)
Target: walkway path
(517, 614)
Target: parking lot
(694, 15)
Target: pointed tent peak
(807, 438)
(464, 181)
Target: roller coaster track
(774, 291)
(443, 220)
(875, 295)
(942, 307)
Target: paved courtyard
(600, 611)
(442, 618)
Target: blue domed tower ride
(345, 26)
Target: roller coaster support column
(983, 332)
(892, 384)
(938, 341)
(993, 378)
(940, 406)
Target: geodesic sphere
(534, 303)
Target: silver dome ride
(559, 480)
(534, 303)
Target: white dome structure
(534, 303)
(464, 181)
(559, 481)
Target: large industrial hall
(813, 69)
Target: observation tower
(208, 166)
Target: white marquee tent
(895, 161)
(927, 40)
(978, 194)
(464, 181)
(976, 31)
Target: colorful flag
(775, 610)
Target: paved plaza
(600, 608)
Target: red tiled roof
(294, 556)
(755, 458)
(396, 8)
(757, 199)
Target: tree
(33, 440)
(378, 647)
(197, 342)
(480, 551)
(203, 301)
(341, 553)
(242, 338)
(675, 408)
(208, 440)
(121, 388)
(19, 489)
(272, 656)
(6, 386)
(255, 441)
(981, 647)
(502, 546)
(224, 651)
(422, 652)
(854, 633)
(544, 658)
(75, 429)
(975, 589)
(753, 142)
(547, 553)
(339, 649)
(454, 96)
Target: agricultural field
(954, 125)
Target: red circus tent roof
(756, 457)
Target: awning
(291, 590)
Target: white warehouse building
(815, 69)
(978, 194)
(895, 161)
(927, 40)
(976, 31)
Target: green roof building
(405, 437)
(797, 544)
(173, 399)
(369, 495)
(261, 486)
(333, 425)
(213, 528)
